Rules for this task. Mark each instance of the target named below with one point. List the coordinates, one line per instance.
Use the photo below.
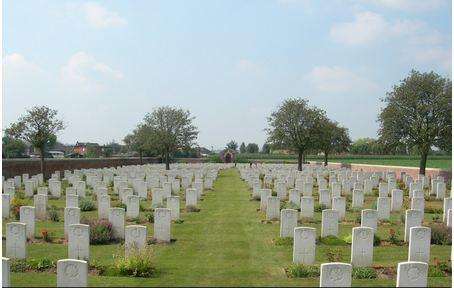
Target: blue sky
(104, 64)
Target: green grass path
(225, 244)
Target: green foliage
(15, 206)
(242, 148)
(303, 271)
(214, 158)
(150, 217)
(418, 114)
(334, 255)
(440, 234)
(38, 127)
(283, 241)
(120, 205)
(91, 151)
(53, 215)
(18, 265)
(332, 241)
(291, 205)
(364, 273)
(434, 271)
(252, 148)
(368, 146)
(377, 240)
(139, 263)
(232, 145)
(41, 264)
(348, 239)
(266, 148)
(85, 204)
(393, 237)
(12, 148)
(100, 230)
(320, 207)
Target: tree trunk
(300, 160)
(167, 161)
(422, 163)
(43, 167)
(326, 159)
(140, 156)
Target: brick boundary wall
(13, 167)
(413, 171)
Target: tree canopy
(294, 126)
(418, 114)
(39, 127)
(331, 137)
(232, 145)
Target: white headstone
(412, 218)
(412, 274)
(156, 196)
(5, 205)
(72, 201)
(330, 222)
(289, 219)
(358, 198)
(117, 218)
(369, 218)
(162, 223)
(103, 206)
(16, 240)
(324, 197)
(447, 204)
(338, 204)
(6, 272)
(40, 202)
(362, 246)
(132, 206)
(72, 216)
(191, 197)
(304, 245)
(397, 198)
(264, 194)
(135, 238)
(72, 273)
(307, 206)
(27, 216)
(441, 190)
(417, 203)
(79, 241)
(173, 203)
(335, 275)
(383, 208)
(272, 207)
(419, 244)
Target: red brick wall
(13, 167)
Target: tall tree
(39, 127)
(140, 140)
(252, 148)
(266, 148)
(169, 129)
(332, 138)
(232, 145)
(242, 148)
(418, 113)
(293, 126)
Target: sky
(105, 64)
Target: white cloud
(339, 79)
(408, 5)
(17, 68)
(366, 27)
(84, 72)
(99, 17)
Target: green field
(442, 162)
(226, 244)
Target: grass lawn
(226, 244)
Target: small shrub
(334, 255)
(436, 217)
(303, 271)
(332, 240)
(273, 193)
(284, 241)
(292, 205)
(41, 264)
(377, 240)
(18, 265)
(100, 230)
(433, 210)
(434, 271)
(392, 236)
(15, 206)
(348, 239)
(53, 215)
(358, 218)
(256, 197)
(86, 204)
(121, 205)
(444, 266)
(440, 234)
(142, 207)
(320, 207)
(364, 273)
(150, 218)
(46, 236)
(192, 208)
(139, 263)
